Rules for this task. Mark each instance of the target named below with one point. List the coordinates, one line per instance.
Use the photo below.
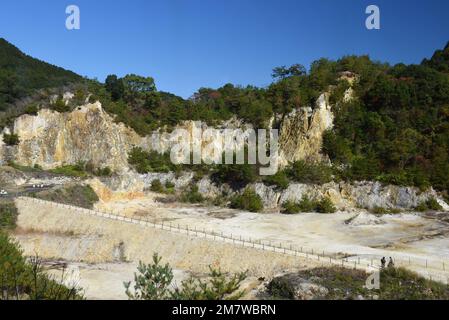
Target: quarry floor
(418, 241)
(404, 235)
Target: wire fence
(429, 268)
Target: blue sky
(188, 44)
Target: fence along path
(436, 270)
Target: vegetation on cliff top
(21, 75)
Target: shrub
(8, 215)
(281, 288)
(152, 282)
(31, 109)
(11, 139)
(218, 286)
(433, 204)
(280, 180)
(401, 284)
(248, 200)
(192, 195)
(307, 205)
(421, 207)
(144, 162)
(93, 98)
(156, 186)
(304, 172)
(236, 175)
(16, 166)
(399, 179)
(169, 185)
(60, 106)
(325, 205)
(290, 207)
(429, 204)
(76, 170)
(103, 172)
(379, 210)
(79, 98)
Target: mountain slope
(439, 60)
(21, 74)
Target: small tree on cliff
(11, 139)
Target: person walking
(391, 263)
(383, 261)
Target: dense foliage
(249, 200)
(144, 162)
(397, 130)
(21, 75)
(192, 195)
(323, 205)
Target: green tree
(248, 200)
(284, 72)
(115, 87)
(153, 281)
(11, 139)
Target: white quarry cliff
(301, 133)
(87, 134)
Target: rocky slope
(301, 134)
(345, 196)
(87, 134)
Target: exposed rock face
(346, 196)
(365, 219)
(206, 142)
(301, 134)
(87, 134)
(133, 185)
(12, 178)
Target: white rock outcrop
(87, 134)
(301, 132)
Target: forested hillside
(21, 75)
(395, 130)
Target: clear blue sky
(188, 44)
